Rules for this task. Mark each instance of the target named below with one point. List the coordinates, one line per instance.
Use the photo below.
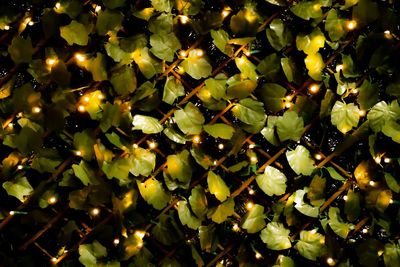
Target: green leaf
(186, 217)
(276, 236)
(114, 3)
(90, 253)
(345, 116)
(246, 67)
(284, 261)
(381, 113)
(340, 228)
(278, 34)
(19, 188)
(250, 111)
(272, 95)
(85, 173)
(143, 162)
(43, 164)
(97, 66)
(220, 39)
(111, 117)
(239, 87)
(153, 193)
(114, 51)
(269, 131)
(311, 43)
(172, 90)
(217, 186)
(70, 7)
(162, 5)
(270, 68)
(164, 230)
(244, 23)
(216, 86)
(391, 255)
(20, 50)
(334, 174)
(307, 9)
(118, 168)
(178, 166)
(164, 46)
(315, 65)
(220, 130)
(365, 12)
(367, 95)
(108, 20)
(352, 207)
(75, 33)
(348, 67)
(174, 135)
(223, 211)
(28, 140)
(146, 124)
(311, 245)
(148, 65)
(190, 120)
(303, 207)
(367, 253)
(326, 104)
(196, 66)
(289, 69)
(83, 142)
(198, 202)
(272, 181)
(316, 190)
(124, 80)
(392, 182)
(207, 237)
(254, 221)
(290, 126)
(334, 25)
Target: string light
(97, 8)
(249, 205)
(12, 213)
(361, 113)
(247, 53)
(81, 108)
(236, 227)
(184, 19)
(258, 256)
(100, 96)
(54, 259)
(80, 57)
(288, 104)
(140, 234)
(78, 153)
(152, 145)
(354, 91)
(378, 159)
(330, 261)
(388, 34)
(225, 12)
(289, 97)
(387, 160)
(220, 146)
(391, 201)
(20, 167)
(351, 25)
(183, 53)
(135, 146)
(313, 231)
(251, 192)
(86, 99)
(372, 183)
(116, 241)
(51, 61)
(36, 110)
(339, 68)
(313, 88)
(199, 52)
(318, 156)
(251, 146)
(30, 23)
(57, 5)
(95, 211)
(6, 27)
(52, 200)
(345, 198)
(10, 126)
(253, 159)
(196, 139)
(365, 230)
(380, 252)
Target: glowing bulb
(288, 104)
(313, 231)
(135, 146)
(95, 211)
(391, 201)
(354, 91)
(116, 241)
(20, 167)
(380, 252)
(184, 19)
(97, 8)
(251, 146)
(54, 259)
(78, 153)
(387, 160)
(52, 200)
(313, 88)
(253, 159)
(140, 234)
(30, 23)
(199, 52)
(330, 261)
(81, 108)
(351, 25)
(100, 96)
(388, 34)
(6, 27)
(247, 53)
(236, 227)
(183, 53)
(10, 126)
(51, 61)
(361, 113)
(180, 70)
(11, 212)
(339, 68)
(152, 145)
(80, 57)
(365, 230)
(249, 205)
(226, 12)
(318, 156)
(251, 192)
(345, 198)
(36, 110)
(57, 6)
(86, 99)
(258, 256)
(377, 159)
(371, 183)
(196, 139)
(221, 146)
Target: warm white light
(27, 20)
(52, 200)
(354, 91)
(253, 159)
(388, 34)
(81, 108)
(140, 234)
(339, 68)
(378, 159)
(184, 19)
(236, 227)
(351, 25)
(251, 192)
(20, 167)
(251, 146)
(330, 261)
(258, 255)
(100, 96)
(183, 53)
(30, 23)
(313, 231)
(371, 183)
(288, 104)
(152, 145)
(57, 6)
(116, 241)
(12, 212)
(387, 160)
(365, 230)
(54, 259)
(226, 12)
(135, 146)
(95, 212)
(10, 126)
(249, 205)
(221, 146)
(199, 52)
(345, 198)
(80, 57)
(313, 88)
(86, 99)
(196, 139)
(78, 153)
(361, 113)
(36, 110)
(51, 61)
(97, 8)
(318, 156)
(6, 27)
(247, 53)
(391, 201)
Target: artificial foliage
(199, 133)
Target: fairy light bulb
(184, 19)
(365, 230)
(354, 91)
(199, 52)
(225, 12)
(249, 205)
(11, 212)
(97, 8)
(247, 53)
(30, 23)
(116, 241)
(236, 227)
(351, 25)
(339, 67)
(345, 198)
(95, 211)
(183, 53)
(152, 145)
(6, 27)
(196, 139)
(78, 153)
(81, 108)
(51, 61)
(36, 110)
(318, 156)
(57, 5)
(220, 146)
(378, 159)
(20, 167)
(313, 231)
(361, 113)
(288, 104)
(54, 259)
(86, 99)
(140, 234)
(52, 200)
(313, 88)
(371, 183)
(251, 192)
(391, 201)
(330, 262)
(80, 57)
(251, 146)
(135, 146)
(100, 96)
(258, 255)
(253, 159)
(387, 160)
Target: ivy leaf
(254, 221)
(198, 202)
(290, 69)
(334, 174)
(311, 245)
(186, 217)
(111, 117)
(108, 20)
(165, 230)
(348, 67)
(153, 193)
(164, 46)
(124, 80)
(392, 182)
(43, 164)
(118, 168)
(220, 39)
(303, 207)
(246, 67)
(90, 253)
(20, 50)
(207, 237)
(19, 188)
(334, 25)
(143, 162)
(269, 131)
(216, 86)
(290, 126)
(70, 7)
(316, 191)
(97, 66)
(114, 3)
(85, 173)
(315, 65)
(272, 182)
(26, 141)
(272, 96)
(217, 186)
(75, 33)
(381, 113)
(270, 68)
(307, 10)
(220, 130)
(178, 166)
(391, 255)
(250, 111)
(326, 104)
(352, 207)
(383, 200)
(345, 116)
(190, 120)
(196, 66)
(223, 211)
(284, 261)
(174, 135)
(366, 11)
(311, 43)
(279, 36)
(239, 87)
(244, 23)
(162, 5)
(300, 160)
(83, 142)
(367, 96)
(276, 236)
(172, 90)
(148, 65)
(146, 124)
(340, 228)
